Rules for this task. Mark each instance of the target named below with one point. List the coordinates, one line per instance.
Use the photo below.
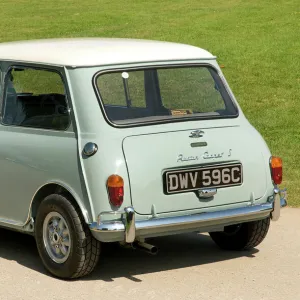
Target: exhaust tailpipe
(145, 247)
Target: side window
(35, 98)
(1, 82)
(1, 88)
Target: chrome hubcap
(57, 238)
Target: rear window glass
(149, 95)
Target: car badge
(196, 133)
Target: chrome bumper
(127, 230)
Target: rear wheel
(64, 241)
(242, 236)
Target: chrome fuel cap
(90, 149)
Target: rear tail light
(115, 188)
(276, 169)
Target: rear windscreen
(164, 94)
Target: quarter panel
(28, 160)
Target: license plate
(186, 180)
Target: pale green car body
(37, 162)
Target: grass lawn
(257, 42)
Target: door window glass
(35, 98)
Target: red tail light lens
(115, 187)
(276, 169)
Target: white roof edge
(80, 52)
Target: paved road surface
(187, 267)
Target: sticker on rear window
(179, 112)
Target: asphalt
(188, 266)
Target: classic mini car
(119, 140)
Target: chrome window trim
(160, 66)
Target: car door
(37, 144)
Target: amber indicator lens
(276, 169)
(115, 188)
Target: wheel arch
(56, 188)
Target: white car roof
(80, 52)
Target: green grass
(37, 82)
(257, 42)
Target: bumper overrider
(128, 229)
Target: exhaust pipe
(145, 247)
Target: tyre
(64, 241)
(243, 236)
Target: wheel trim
(56, 237)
